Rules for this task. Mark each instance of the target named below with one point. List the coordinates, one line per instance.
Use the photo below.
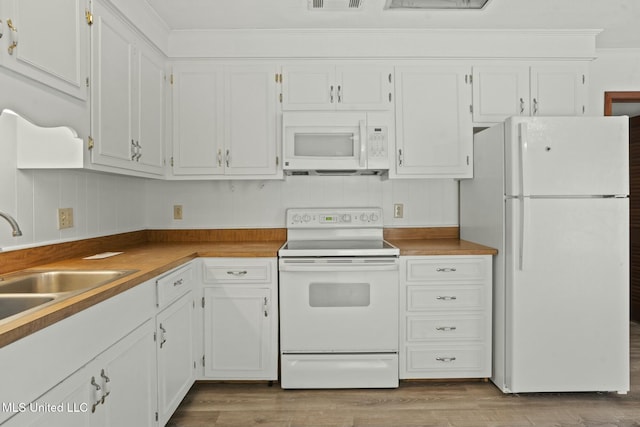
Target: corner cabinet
(48, 42)
(434, 132)
(545, 89)
(127, 98)
(242, 293)
(445, 316)
(225, 121)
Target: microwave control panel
(377, 146)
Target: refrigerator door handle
(524, 218)
(523, 135)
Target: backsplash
(239, 204)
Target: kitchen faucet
(16, 228)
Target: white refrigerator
(551, 194)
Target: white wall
(230, 204)
(613, 70)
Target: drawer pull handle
(447, 298)
(237, 273)
(445, 359)
(446, 270)
(446, 328)
(178, 282)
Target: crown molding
(383, 43)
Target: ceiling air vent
(435, 4)
(335, 4)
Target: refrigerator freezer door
(567, 295)
(567, 156)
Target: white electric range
(338, 300)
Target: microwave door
(325, 147)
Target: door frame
(614, 97)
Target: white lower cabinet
(175, 343)
(95, 368)
(240, 303)
(115, 389)
(445, 317)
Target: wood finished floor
(438, 404)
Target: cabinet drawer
(237, 270)
(446, 269)
(173, 285)
(428, 298)
(447, 361)
(425, 329)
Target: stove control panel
(334, 217)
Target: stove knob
(296, 218)
(306, 218)
(364, 217)
(373, 217)
(346, 218)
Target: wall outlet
(177, 211)
(65, 218)
(398, 210)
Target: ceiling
(618, 18)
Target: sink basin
(57, 281)
(14, 304)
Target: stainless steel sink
(57, 281)
(14, 304)
(27, 291)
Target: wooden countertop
(154, 252)
(149, 259)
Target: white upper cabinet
(47, 41)
(337, 87)
(127, 102)
(434, 134)
(550, 89)
(250, 120)
(558, 89)
(224, 120)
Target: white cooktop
(326, 232)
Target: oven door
(338, 305)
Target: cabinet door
(245, 351)
(197, 119)
(150, 111)
(434, 135)
(309, 87)
(112, 56)
(74, 397)
(364, 87)
(176, 361)
(250, 120)
(558, 90)
(117, 388)
(500, 92)
(53, 43)
(127, 373)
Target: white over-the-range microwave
(336, 143)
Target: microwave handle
(363, 144)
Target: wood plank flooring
(424, 404)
